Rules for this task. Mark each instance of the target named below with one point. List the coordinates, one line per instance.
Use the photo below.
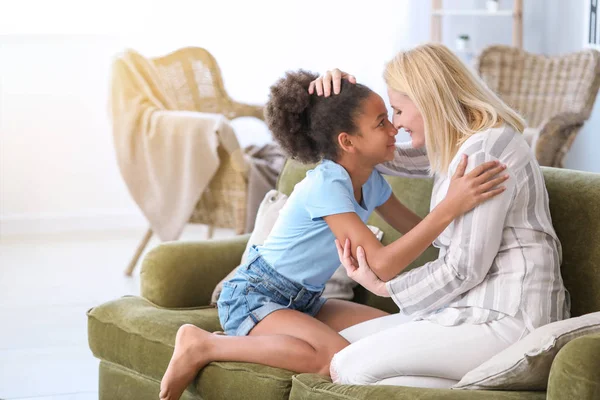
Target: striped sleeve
(407, 161)
(474, 244)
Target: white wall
(57, 165)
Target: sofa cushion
(137, 335)
(312, 387)
(119, 383)
(526, 364)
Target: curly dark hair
(306, 126)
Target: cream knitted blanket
(166, 157)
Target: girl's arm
(465, 192)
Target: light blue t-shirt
(301, 246)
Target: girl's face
(407, 117)
(377, 140)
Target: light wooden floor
(47, 283)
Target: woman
(497, 276)
(272, 310)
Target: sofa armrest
(555, 138)
(575, 372)
(184, 274)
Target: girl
(272, 311)
(498, 273)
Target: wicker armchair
(192, 77)
(554, 94)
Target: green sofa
(133, 336)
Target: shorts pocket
(226, 299)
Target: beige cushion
(339, 285)
(526, 364)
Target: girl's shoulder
(328, 171)
(325, 178)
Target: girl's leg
(285, 339)
(341, 314)
(423, 348)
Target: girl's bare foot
(189, 357)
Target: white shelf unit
(485, 13)
(437, 12)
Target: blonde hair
(454, 103)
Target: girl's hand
(363, 273)
(323, 83)
(467, 191)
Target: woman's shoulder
(501, 143)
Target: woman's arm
(398, 215)
(475, 242)
(362, 274)
(407, 161)
(473, 248)
(386, 262)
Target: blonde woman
(497, 276)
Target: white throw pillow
(266, 216)
(339, 286)
(526, 364)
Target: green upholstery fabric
(575, 372)
(193, 268)
(311, 386)
(136, 335)
(575, 209)
(133, 337)
(118, 383)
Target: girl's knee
(323, 360)
(324, 356)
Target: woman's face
(407, 116)
(377, 140)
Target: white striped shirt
(501, 258)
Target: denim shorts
(255, 291)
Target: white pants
(393, 350)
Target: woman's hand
(361, 274)
(322, 85)
(467, 191)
